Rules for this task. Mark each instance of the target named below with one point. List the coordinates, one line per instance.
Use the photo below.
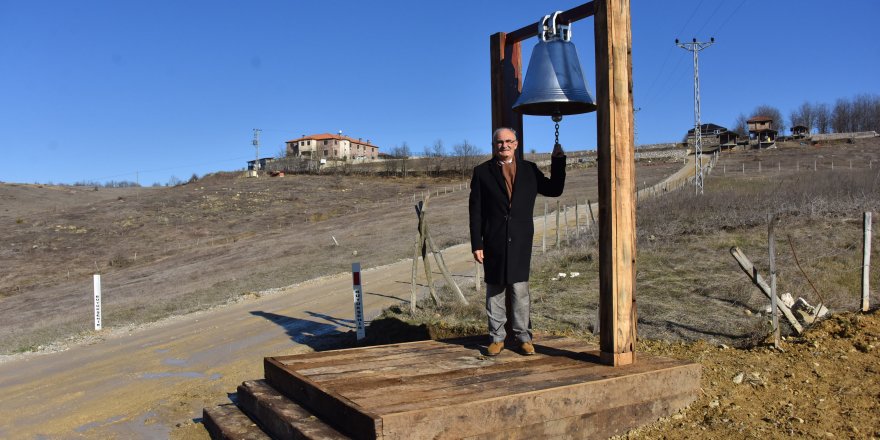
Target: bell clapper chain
(556, 118)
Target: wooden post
(441, 263)
(423, 249)
(756, 278)
(478, 285)
(771, 241)
(415, 267)
(544, 231)
(592, 219)
(565, 222)
(866, 263)
(617, 219)
(505, 59)
(557, 223)
(577, 225)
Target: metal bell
(554, 83)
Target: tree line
(435, 159)
(861, 113)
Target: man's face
(505, 145)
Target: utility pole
(256, 143)
(696, 47)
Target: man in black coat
(501, 205)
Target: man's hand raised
(557, 151)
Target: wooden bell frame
(614, 128)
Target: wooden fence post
(478, 285)
(557, 223)
(756, 278)
(592, 220)
(771, 239)
(866, 263)
(565, 221)
(544, 231)
(577, 226)
(441, 263)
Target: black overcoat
(504, 230)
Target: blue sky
(118, 90)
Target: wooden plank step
(436, 390)
(227, 422)
(279, 416)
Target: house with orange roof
(332, 147)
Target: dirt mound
(825, 384)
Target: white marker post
(97, 279)
(358, 299)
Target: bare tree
(740, 125)
(402, 154)
(841, 116)
(427, 161)
(438, 155)
(803, 115)
(864, 112)
(466, 156)
(822, 118)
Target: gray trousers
(496, 309)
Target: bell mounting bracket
(548, 29)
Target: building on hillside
(760, 123)
(251, 164)
(710, 135)
(761, 129)
(799, 132)
(728, 139)
(332, 146)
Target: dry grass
(166, 251)
(688, 285)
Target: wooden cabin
(799, 132)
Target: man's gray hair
(498, 130)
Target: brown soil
(825, 384)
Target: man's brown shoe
(527, 348)
(495, 348)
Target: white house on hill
(332, 146)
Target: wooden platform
(449, 389)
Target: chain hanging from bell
(554, 84)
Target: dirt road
(153, 382)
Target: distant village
(322, 149)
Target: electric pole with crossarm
(696, 47)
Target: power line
(729, 16)
(709, 19)
(695, 47)
(661, 71)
